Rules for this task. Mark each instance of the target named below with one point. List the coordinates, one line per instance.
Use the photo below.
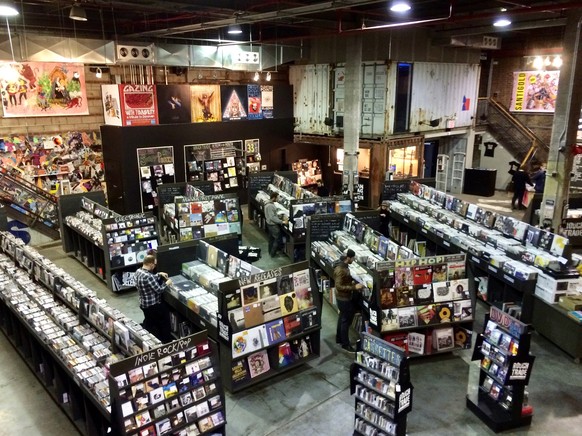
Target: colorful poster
(267, 100)
(255, 109)
(174, 104)
(111, 99)
(43, 89)
(138, 106)
(234, 102)
(205, 103)
(534, 91)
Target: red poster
(139, 105)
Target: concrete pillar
(560, 158)
(353, 111)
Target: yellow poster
(534, 91)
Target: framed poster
(43, 89)
(156, 167)
(205, 103)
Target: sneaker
(349, 348)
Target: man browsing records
(273, 224)
(345, 287)
(151, 286)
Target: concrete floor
(314, 399)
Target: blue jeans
(344, 321)
(274, 238)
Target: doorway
(431, 150)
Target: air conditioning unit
(476, 41)
(135, 54)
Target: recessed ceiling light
(400, 6)
(502, 22)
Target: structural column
(568, 102)
(353, 111)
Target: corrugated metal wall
(445, 91)
(311, 84)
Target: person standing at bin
(273, 224)
(345, 287)
(150, 287)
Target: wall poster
(43, 89)
(156, 167)
(205, 103)
(534, 91)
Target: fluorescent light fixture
(400, 6)
(98, 73)
(502, 22)
(268, 78)
(234, 29)
(77, 13)
(256, 77)
(7, 9)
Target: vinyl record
(461, 337)
(141, 256)
(445, 313)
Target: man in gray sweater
(273, 224)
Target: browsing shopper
(273, 224)
(151, 286)
(345, 287)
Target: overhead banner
(43, 89)
(534, 91)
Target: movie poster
(534, 91)
(234, 102)
(174, 104)
(43, 89)
(205, 103)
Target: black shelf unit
(380, 382)
(384, 307)
(124, 240)
(46, 305)
(176, 387)
(500, 399)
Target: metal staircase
(29, 204)
(515, 137)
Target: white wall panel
(445, 91)
(311, 101)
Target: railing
(515, 137)
(30, 204)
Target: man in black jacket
(520, 179)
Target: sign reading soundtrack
(218, 162)
(534, 91)
(43, 89)
(156, 167)
(129, 105)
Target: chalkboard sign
(205, 186)
(392, 187)
(168, 191)
(370, 217)
(259, 181)
(321, 226)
